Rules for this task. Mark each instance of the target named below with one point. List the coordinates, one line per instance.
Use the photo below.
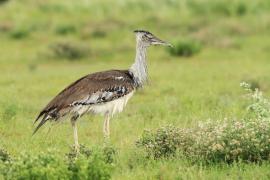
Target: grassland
(182, 90)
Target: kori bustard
(104, 93)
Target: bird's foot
(73, 153)
(76, 149)
(106, 139)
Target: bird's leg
(75, 134)
(106, 126)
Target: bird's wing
(94, 88)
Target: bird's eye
(145, 38)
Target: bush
(98, 168)
(20, 33)
(92, 167)
(42, 166)
(65, 29)
(241, 9)
(231, 141)
(227, 141)
(185, 48)
(162, 143)
(98, 34)
(211, 142)
(4, 156)
(69, 50)
(109, 153)
(89, 164)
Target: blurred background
(47, 44)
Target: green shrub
(98, 34)
(98, 168)
(42, 166)
(68, 50)
(212, 141)
(109, 153)
(241, 9)
(92, 167)
(217, 141)
(84, 151)
(89, 164)
(162, 143)
(65, 29)
(20, 32)
(185, 48)
(4, 156)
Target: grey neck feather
(139, 67)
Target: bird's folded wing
(92, 89)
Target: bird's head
(146, 39)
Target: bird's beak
(157, 41)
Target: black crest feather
(142, 31)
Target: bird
(105, 93)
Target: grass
(234, 39)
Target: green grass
(182, 90)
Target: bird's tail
(45, 118)
(47, 115)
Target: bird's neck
(139, 68)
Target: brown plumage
(118, 82)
